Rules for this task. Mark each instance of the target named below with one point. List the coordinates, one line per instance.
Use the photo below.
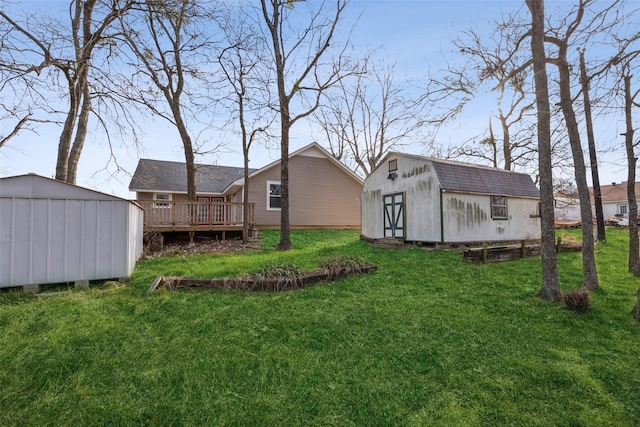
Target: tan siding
(320, 193)
(144, 196)
(174, 197)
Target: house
(614, 202)
(54, 232)
(614, 199)
(323, 193)
(566, 208)
(419, 199)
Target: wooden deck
(163, 216)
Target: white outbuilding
(54, 232)
(419, 199)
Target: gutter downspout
(441, 218)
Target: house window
(162, 198)
(274, 193)
(623, 209)
(393, 165)
(499, 207)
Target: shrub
(287, 275)
(578, 300)
(338, 266)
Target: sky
(416, 33)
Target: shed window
(393, 165)
(623, 209)
(274, 195)
(499, 207)
(163, 198)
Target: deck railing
(193, 214)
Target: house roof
(614, 193)
(314, 150)
(470, 178)
(167, 176)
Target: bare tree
(487, 61)
(170, 51)
(244, 66)
(494, 60)
(368, 115)
(593, 156)
(88, 34)
(629, 102)
(550, 289)
(575, 29)
(299, 42)
(21, 122)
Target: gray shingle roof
(464, 177)
(161, 175)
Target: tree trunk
(245, 197)
(245, 157)
(506, 142)
(64, 144)
(285, 239)
(593, 157)
(81, 134)
(189, 157)
(634, 251)
(550, 289)
(573, 132)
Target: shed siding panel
(468, 217)
(51, 241)
(7, 225)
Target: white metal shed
(54, 232)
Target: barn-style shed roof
(465, 177)
(162, 175)
(477, 179)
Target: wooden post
(191, 235)
(523, 249)
(558, 244)
(484, 253)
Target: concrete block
(82, 284)
(31, 289)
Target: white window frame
(623, 209)
(494, 204)
(269, 184)
(162, 198)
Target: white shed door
(394, 215)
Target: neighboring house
(567, 205)
(54, 232)
(419, 199)
(614, 199)
(323, 193)
(614, 202)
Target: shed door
(394, 215)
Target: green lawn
(425, 340)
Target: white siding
(56, 239)
(468, 218)
(462, 217)
(417, 179)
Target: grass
(425, 340)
